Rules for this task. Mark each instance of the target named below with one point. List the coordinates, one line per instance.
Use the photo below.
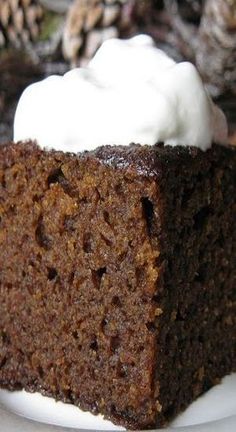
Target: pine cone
(184, 18)
(190, 10)
(216, 51)
(90, 22)
(204, 31)
(19, 22)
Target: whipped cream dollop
(131, 92)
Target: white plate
(213, 412)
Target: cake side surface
(78, 276)
(197, 340)
(117, 276)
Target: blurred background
(44, 37)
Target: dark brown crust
(117, 276)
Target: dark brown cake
(117, 276)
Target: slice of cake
(117, 265)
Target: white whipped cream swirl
(131, 92)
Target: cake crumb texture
(117, 276)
